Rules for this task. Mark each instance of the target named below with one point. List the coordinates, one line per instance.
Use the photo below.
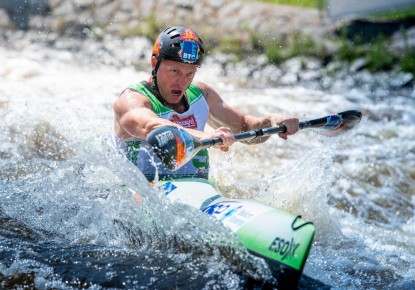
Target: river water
(68, 218)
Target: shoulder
(131, 95)
(202, 86)
(211, 95)
(130, 99)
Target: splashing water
(74, 213)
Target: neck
(179, 107)
(156, 92)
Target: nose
(181, 81)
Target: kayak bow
(283, 240)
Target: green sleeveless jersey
(140, 152)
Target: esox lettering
(283, 247)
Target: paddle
(176, 146)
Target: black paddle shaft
(346, 119)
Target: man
(170, 97)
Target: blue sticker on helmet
(189, 52)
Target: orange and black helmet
(180, 44)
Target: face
(173, 78)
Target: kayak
(282, 239)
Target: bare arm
(134, 118)
(221, 114)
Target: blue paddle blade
(333, 122)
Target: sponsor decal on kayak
(284, 247)
(222, 210)
(168, 187)
(232, 214)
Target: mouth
(177, 93)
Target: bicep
(220, 113)
(134, 115)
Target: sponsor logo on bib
(187, 122)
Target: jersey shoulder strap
(157, 103)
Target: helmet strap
(154, 75)
(154, 82)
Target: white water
(357, 188)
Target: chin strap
(154, 76)
(154, 87)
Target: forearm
(291, 124)
(252, 123)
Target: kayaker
(171, 97)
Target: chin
(175, 99)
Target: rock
(5, 21)
(249, 22)
(403, 41)
(21, 11)
(231, 17)
(358, 64)
(104, 14)
(401, 79)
